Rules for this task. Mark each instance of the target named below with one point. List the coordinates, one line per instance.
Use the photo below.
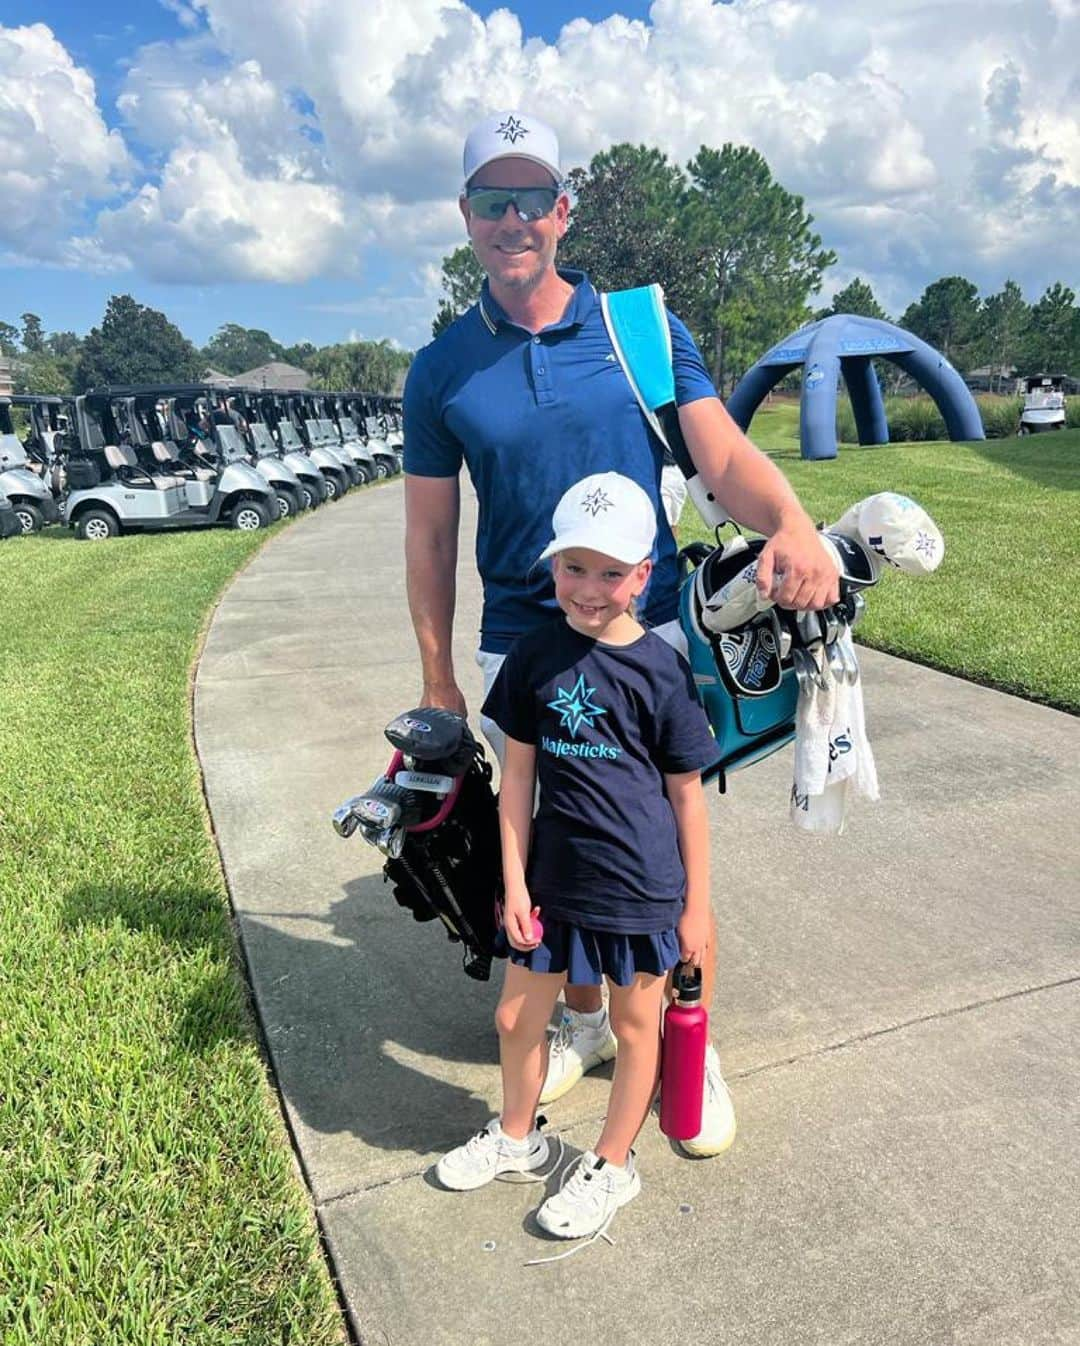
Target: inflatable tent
(847, 344)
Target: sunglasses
(531, 203)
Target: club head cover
(897, 529)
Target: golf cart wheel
(333, 490)
(287, 504)
(31, 519)
(311, 495)
(250, 515)
(96, 525)
(382, 471)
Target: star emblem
(596, 502)
(926, 545)
(576, 707)
(512, 129)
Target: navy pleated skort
(588, 956)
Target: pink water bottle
(682, 1061)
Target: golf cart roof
(1044, 380)
(113, 391)
(36, 399)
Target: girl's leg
(635, 1018)
(522, 1019)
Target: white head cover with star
(608, 513)
(511, 135)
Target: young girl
(615, 863)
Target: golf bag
(746, 654)
(433, 814)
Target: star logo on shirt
(576, 706)
(596, 502)
(512, 130)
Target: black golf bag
(433, 814)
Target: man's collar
(578, 309)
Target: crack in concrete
(870, 1035)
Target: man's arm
(794, 568)
(432, 515)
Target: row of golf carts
(187, 456)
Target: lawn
(1002, 609)
(148, 1192)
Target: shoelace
(572, 1171)
(563, 1037)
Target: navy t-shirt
(608, 722)
(531, 414)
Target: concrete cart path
(898, 1009)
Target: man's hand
(445, 695)
(795, 571)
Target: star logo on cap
(512, 129)
(596, 502)
(576, 706)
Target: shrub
(1000, 415)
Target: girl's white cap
(608, 513)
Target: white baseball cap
(608, 513)
(511, 135)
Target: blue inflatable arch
(845, 344)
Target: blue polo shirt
(530, 415)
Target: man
(526, 389)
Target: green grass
(148, 1193)
(1002, 609)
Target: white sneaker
(717, 1114)
(590, 1195)
(575, 1048)
(489, 1153)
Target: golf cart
(1044, 404)
(363, 413)
(146, 480)
(348, 434)
(46, 443)
(266, 449)
(232, 428)
(28, 494)
(287, 425)
(307, 413)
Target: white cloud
(56, 153)
(290, 140)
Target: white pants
(671, 632)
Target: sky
(294, 165)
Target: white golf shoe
(489, 1154)
(591, 1193)
(717, 1114)
(575, 1048)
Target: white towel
(833, 758)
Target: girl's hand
(693, 933)
(518, 922)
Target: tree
(947, 316)
(9, 339)
(42, 373)
(462, 276)
(1054, 336)
(1003, 331)
(63, 345)
(233, 349)
(33, 334)
(761, 259)
(135, 344)
(298, 355)
(627, 226)
(364, 366)
(856, 297)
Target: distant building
(276, 375)
(991, 378)
(7, 377)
